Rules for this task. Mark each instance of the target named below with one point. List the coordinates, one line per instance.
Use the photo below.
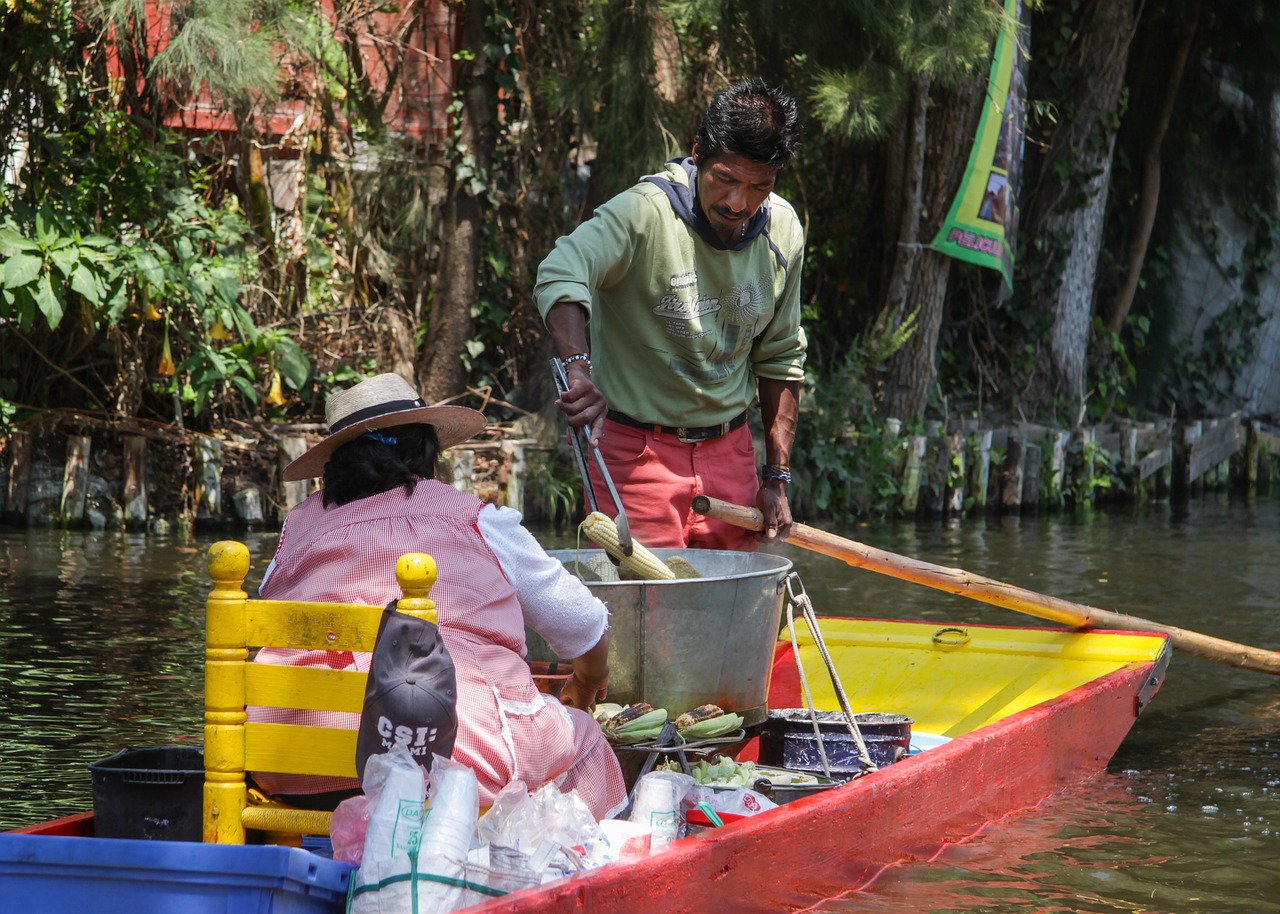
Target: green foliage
(845, 461)
(107, 231)
(231, 48)
(53, 269)
(553, 488)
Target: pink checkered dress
(507, 730)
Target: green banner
(983, 220)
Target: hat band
(372, 412)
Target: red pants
(657, 476)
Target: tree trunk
(1149, 201)
(1069, 205)
(440, 368)
(938, 151)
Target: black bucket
(153, 794)
(788, 741)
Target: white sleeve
(556, 605)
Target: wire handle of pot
(801, 599)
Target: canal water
(101, 639)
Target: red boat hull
(839, 840)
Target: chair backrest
(235, 623)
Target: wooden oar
(958, 581)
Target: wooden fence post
(134, 493)
(292, 493)
(1013, 474)
(248, 505)
(955, 473)
(207, 464)
(980, 448)
(75, 480)
(463, 468)
(19, 474)
(914, 457)
(513, 456)
(1251, 447)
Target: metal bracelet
(782, 474)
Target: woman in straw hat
(381, 499)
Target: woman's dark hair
(750, 119)
(380, 461)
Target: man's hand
(773, 504)
(583, 404)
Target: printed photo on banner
(982, 223)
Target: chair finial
(416, 572)
(228, 563)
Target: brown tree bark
(1149, 200)
(1067, 209)
(938, 150)
(440, 369)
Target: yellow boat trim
(953, 679)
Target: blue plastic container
(53, 875)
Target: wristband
(577, 357)
(781, 473)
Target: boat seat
(234, 625)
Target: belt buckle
(694, 435)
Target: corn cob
(715, 726)
(694, 715)
(682, 568)
(602, 531)
(635, 724)
(706, 722)
(604, 710)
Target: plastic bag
(657, 805)
(395, 792)
(543, 835)
(415, 859)
(447, 833)
(740, 801)
(523, 821)
(348, 828)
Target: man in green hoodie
(673, 308)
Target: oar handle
(739, 515)
(975, 587)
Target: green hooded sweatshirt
(681, 325)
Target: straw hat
(381, 402)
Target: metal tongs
(581, 439)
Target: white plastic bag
(415, 860)
(657, 805)
(395, 792)
(446, 838)
(523, 821)
(740, 801)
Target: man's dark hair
(368, 465)
(751, 119)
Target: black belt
(702, 433)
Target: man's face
(730, 190)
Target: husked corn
(602, 531)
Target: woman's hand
(578, 694)
(589, 681)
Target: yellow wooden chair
(234, 623)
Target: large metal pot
(679, 644)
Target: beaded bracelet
(781, 473)
(577, 357)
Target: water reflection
(101, 641)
